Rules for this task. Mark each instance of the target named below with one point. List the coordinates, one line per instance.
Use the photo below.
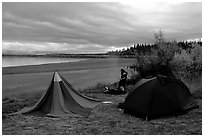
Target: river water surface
(11, 61)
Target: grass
(106, 119)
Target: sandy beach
(83, 74)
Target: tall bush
(188, 63)
(158, 59)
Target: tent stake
(146, 118)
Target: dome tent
(158, 96)
(61, 99)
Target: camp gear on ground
(114, 91)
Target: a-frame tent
(61, 99)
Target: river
(80, 74)
(12, 61)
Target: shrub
(158, 59)
(169, 59)
(188, 64)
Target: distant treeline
(103, 55)
(124, 53)
(143, 48)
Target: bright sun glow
(150, 6)
(140, 5)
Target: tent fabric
(158, 96)
(62, 99)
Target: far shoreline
(13, 61)
(99, 55)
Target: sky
(88, 27)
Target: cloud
(96, 26)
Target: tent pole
(146, 118)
